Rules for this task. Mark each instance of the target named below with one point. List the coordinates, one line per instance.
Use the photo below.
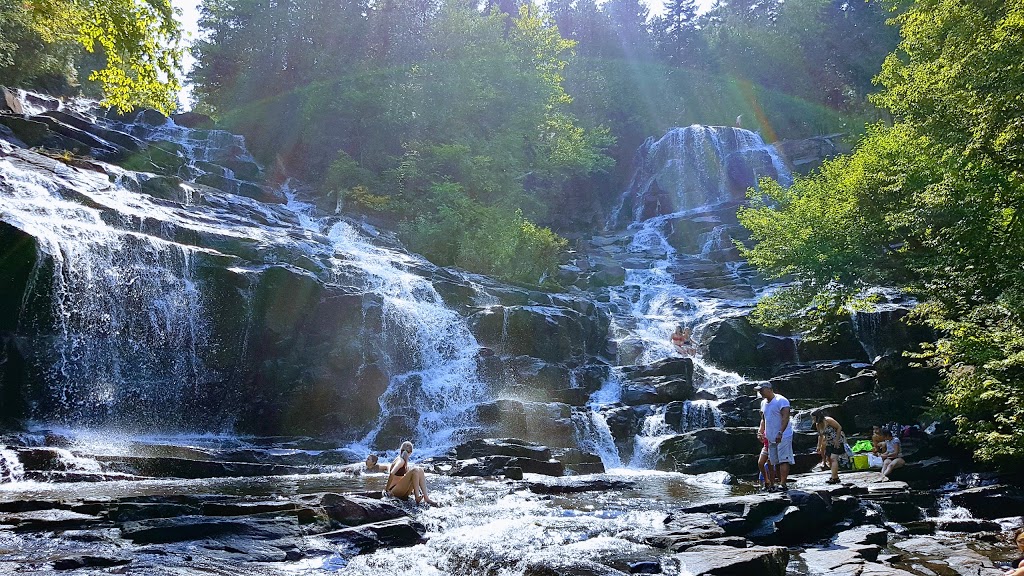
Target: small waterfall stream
(437, 374)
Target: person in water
(371, 465)
(682, 341)
(404, 479)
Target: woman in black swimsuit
(404, 479)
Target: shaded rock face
(803, 156)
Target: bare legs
(420, 486)
(414, 483)
(889, 465)
(835, 467)
(783, 473)
(765, 468)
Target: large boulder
(547, 423)
(886, 331)
(550, 333)
(840, 343)
(997, 501)
(734, 344)
(677, 451)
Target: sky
(190, 22)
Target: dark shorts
(830, 450)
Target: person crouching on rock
(1017, 567)
(777, 428)
(831, 437)
(404, 479)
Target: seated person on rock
(877, 440)
(892, 458)
(1017, 567)
(404, 479)
(831, 440)
(682, 342)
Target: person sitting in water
(682, 341)
(371, 465)
(405, 479)
(892, 458)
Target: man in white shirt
(777, 428)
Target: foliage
(136, 38)
(931, 205)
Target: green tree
(932, 205)
(138, 40)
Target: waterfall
(127, 315)
(693, 167)
(653, 432)
(594, 436)
(689, 177)
(697, 414)
(437, 377)
(122, 308)
(11, 469)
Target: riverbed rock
(705, 443)
(40, 520)
(501, 447)
(89, 561)
(946, 555)
(569, 567)
(353, 510)
(727, 561)
(997, 501)
(183, 528)
(396, 533)
(577, 485)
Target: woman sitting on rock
(892, 458)
(405, 479)
(831, 440)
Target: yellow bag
(860, 462)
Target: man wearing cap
(776, 427)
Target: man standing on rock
(776, 427)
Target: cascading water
(436, 374)
(694, 167)
(127, 315)
(11, 469)
(688, 175)
(120, 292)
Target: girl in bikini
(682, 342)
(405, 480)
